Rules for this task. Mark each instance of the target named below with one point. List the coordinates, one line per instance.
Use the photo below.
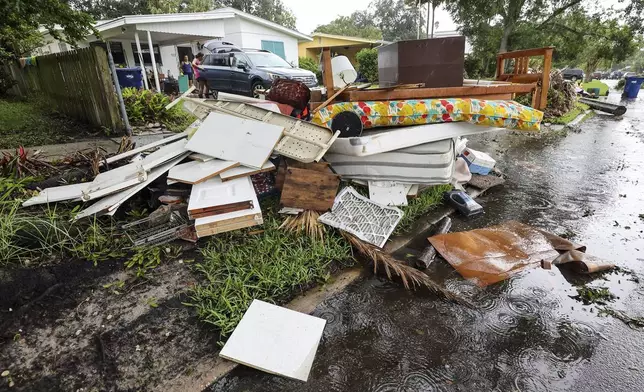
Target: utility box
(435, 62)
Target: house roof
(348, 38)
(221, 13)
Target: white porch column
(138, 49)
(154, 63)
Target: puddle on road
(526, 333)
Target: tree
(634, 15)
(21, 20)
(165, 6)
(607, 42)
(359, 24)
(397, 20)
(273, 10)
(20, 23)
(110, 9)
(474, 15)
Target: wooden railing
(520, 72)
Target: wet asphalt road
(527, 333)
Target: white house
(174, 35)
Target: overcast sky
(309, 14)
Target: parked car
(616, 74)
(245, 71)
(601, 75)
(573, 74)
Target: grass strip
(272, 266)
(570, 116)
(426, 201)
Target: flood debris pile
(275, 202)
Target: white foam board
(388, 193)
(215, 192)
(164, 154)
(201, 157)
(195, 172)
(275, 340)
(58, 193)
(113, 202)
(233, 138)
(242, 171)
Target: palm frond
(411, 277)
(306, 222)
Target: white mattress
(376, 142)
(427, 164)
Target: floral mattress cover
(496, 113)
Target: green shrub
(145, 106)
(368, 64)
(310, 64)
(620, 84)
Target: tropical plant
(145, 106)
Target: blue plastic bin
(130, 77)
(632, 87)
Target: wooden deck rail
(520, 73)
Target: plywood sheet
(244, 171)
(276, 340)
(233, 138)
(309, 189)
(233, 220)
(196, 171)
(208, 230)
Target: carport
(163, 30)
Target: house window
(117, 51)
(145, 51)
(276, 47)
(62, 47)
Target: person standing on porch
(201, 82)
(186, 69)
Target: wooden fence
(77, 83)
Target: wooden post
(141, 62)
(500, 66)
(545, 80)
(154, 63)
(327, 76)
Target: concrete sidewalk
(53, 152)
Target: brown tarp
(490, 255)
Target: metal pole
(141, 62)
(433, 15)
(428, 19)
(154, 63)
(418, 10)
(115, 79)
